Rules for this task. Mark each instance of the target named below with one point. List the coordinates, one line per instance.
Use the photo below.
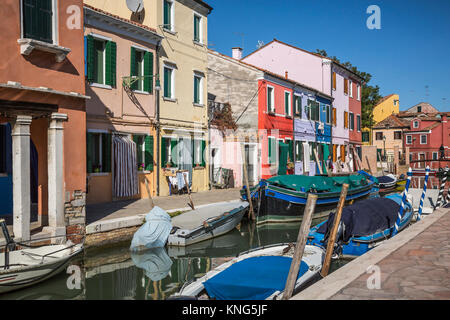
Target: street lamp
(384, 147)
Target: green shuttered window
(101, 61)
(38, 20)
(98, 153)
(168, 74)
(144, 152)
(167, 23)
(291, 149)
(197, 25)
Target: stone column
(55, 151)
(21, 177)
(407, 156)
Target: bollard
(402, 207)
(441, 189)
(427, 173)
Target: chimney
(237, 53)
(286, 74)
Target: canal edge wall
(344, 276)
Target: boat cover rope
(253, 278)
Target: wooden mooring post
(300, 246)
(191, 203)
(247, 186)
(152, 204)
(368, 164)
(332, 238)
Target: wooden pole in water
(368, 163)
(300, 246)
(316, 157)
(249, 197)
(332, 238)
(149, 194)
(381, 160)
(189, 191)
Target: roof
(392, 122)
(271, 73)
(306, 51)
(203, 3)
(120, 18)
(384, 99)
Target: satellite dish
(135, 5)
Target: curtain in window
(125, 170)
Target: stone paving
(418, 270)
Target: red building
(428, 132)
(354, 117)
(275, 124)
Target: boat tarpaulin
(254, 278)
(365, 217)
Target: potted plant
(97, 169)
(141, 167)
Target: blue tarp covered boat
(363, 225)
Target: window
(298, 105)
(272, 150)
(423, 139)
(352, 121)
(379, 136)
(168, 83)
(351, 88)
(287, 103)
(198, 151)
(345, 119)
(290, 149)
(358, 123)
(328, 114)
(197, 28)
(313, 110)
(144, 152)
(358, 92)
(168, 15)
(38, 20)
(366, 136)
(312, 148)
(408, 139)
(435, 155)
(346, 86)
(298, 151)
(142, 67)
(415, 124)
(397, 135)
(101, 61)
(98, 152)
(419, 109)
(270, 99)
(334, 80)
(198, 89)
(167, 157)
(334, 117)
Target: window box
(28, 45)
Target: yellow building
(180, 74)
(387, 106)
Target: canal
(116, 273)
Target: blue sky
(409, 52)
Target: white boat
(259, 274)
(26, 267)
(206, 223)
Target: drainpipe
(158, 127)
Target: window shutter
(202, 155)
(346, 86)
(148, 72)
(345, 120)
(174, 151)
(163, 152)
(334, 116)
(149, 153)
(167, 21)
(38, 20)
(90, 60)
(167, 83)
(133, 71)
(106, 146)
(89, 152)
(110, 63)
(136, 139)
(334, 80)
(291, 150)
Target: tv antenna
(242, 35)
(260, 44)
(135, 5)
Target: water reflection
(116, 273)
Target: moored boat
(259, 274)
(363, 225)
(198, 225)
(283, 198)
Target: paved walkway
(413, 265)
(123, 209)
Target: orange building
(42, 116)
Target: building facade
(388, 134)
(42, 117)
(120, 68)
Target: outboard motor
(337, 250)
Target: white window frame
(172, 82)
(426, 139)
(358, 116)
(172, 16)
(201, 102)
(351, 125)
(55, 12)
(414, 124)
(289, 114)
(98, 37)
(270, 108)
(144, 135)
(197, 151)
(329, 114)
(350, 88)
(358, 92)
(200, 28)
(434, 153)
(290, 139)
(297, 145)
(409, 138)
(276, 150)
(299, 97)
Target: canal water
(115, 273)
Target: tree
(370, 95)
